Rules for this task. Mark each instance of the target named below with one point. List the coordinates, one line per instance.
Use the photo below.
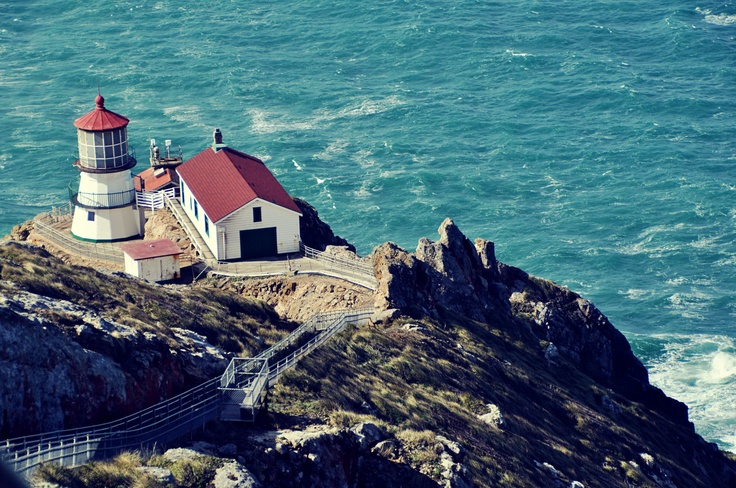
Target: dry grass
(123, 471)
(237, 324)
(438, 381)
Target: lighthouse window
(98, 138)
(116, 136)
(91, 216)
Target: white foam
(721, 19)
(296, 165)
(187, 114)
(637, 294)
(700, 370)
(515, 54)
(333, 149)
(265, 123)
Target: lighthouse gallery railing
(99, 200)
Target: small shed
(152, 260)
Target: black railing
(99, 200)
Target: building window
(257, 217)
(196, 210)
(206, 226)
(91, 216)
(181, 193)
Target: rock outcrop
(314, 232)
(455, 276)
(64, 366)
(362, 455)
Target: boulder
(161, 475)
(234, 475)
(368, 434)
(493, 417)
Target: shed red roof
(225, 180)
(152, 179)
(101, 118)
(150, 249)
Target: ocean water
(594, 142)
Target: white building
(152, 260)
(237, 205)
(104, 197)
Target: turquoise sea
(594, 142)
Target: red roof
(153, 179)
(150, 249)
(101, 118)
(225, 180)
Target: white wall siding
(224, 236)
(108, 224)
(285, 221)
(187, 203)
(154, 269)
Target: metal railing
(178, 211)
(242, 387)
(335, 262)
(155, 200)
(43, 225)
(99, 200)
(167, 421)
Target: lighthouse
(104, 196)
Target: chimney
(217, 144)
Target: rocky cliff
(455, 276)
(474, 374)
(79, 347)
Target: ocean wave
(263, 122)
(699, 370)
(191, 115)
(721, 19)
(333, 149)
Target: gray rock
(162, 475)
(452, 447)
(493, 416)
(234, 475)
(181, 454)
(228, 450)
(609, 406)
(388, 449)
(385, 315)
(414, 327)
(368, 434)
(206, 448)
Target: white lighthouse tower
(104, 200)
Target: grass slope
(441, 377)
(237, 324)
